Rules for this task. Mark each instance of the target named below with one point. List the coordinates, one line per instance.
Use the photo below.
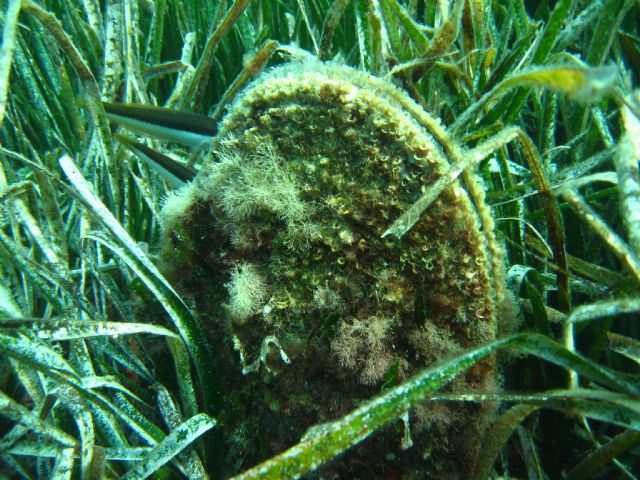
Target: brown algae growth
(278, 243)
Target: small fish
(176, 173)
(191, 129)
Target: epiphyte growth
(282, 231)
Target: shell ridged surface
(280, 235)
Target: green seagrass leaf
(191, 464)
(324, 442)
(36, 354)
(63, 468)
(583, 84)
(38, 449)
(127, 249)
(73, 402)
(21, 414)
(410, 26)
(580, 83)
(61, 329)
(624, 345)
(497, 436)
(604, 454)
(171, 445)
(614, 408)
(604, 308)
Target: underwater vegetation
(398, 239)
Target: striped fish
(190, 129)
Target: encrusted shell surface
(280, 238)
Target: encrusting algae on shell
(280, 237)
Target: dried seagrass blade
(175, 172)
(191, 129)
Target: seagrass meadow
(389, 239)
